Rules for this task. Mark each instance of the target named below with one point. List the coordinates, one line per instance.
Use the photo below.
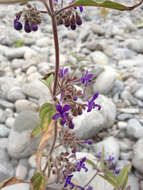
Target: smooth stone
(111, 148)
(3, 143)
(133, 182)
(4, 155)
(124, 116)
(99, 58)
(122, 125)
(37, 89)
(6, 170)
(134, 129)
(17, 63)
(101, 85)
(2, 116)
(10, 122)
(22, 169)
(6, 104)
(138, 155)
(34, 76)
(4, 131)
(126, 155)
(126, 144)
(96, 120)
(130, 63)
(23, 105)
(12, 53)
(20, 145)
(139, 93)
(129, 110)
(21, 186)
(97, 29)
(14, 94)
(31, 70)
(135, 45)
(9, 112)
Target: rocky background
(112, 49)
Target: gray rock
(138, 155)
(22, 169)
(111, 148)
(130, 62)
(2, 116)
(134, 128)
(124, 116)
(97, 29)
(126, 155)
(139, 93)
(12, 53)
(4, 131)
(99, 58)
(3, 143)
(21, 186)
(133, 182)
(14, 94)
(10, 122)
(36, 89)
(17, 63)
(23, 105)
(6, 104)
(102, 86)
(20, 145)
(4, 155)
(6, 170)
(130, 110)
(96, 120)
(136, 45)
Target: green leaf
(91, 163)
(49, 80)
(18, 43)
(46, 112)
(100, 3)
(38, 182)
(36, 131)
(110, 180)
(123, 175)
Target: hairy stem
(91, 179)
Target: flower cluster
(68, 106)
(31, 17)
(69, 18)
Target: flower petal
(59, 108)
(56, 116)
(89, 76)
(66, 108)
(65, 71)
(95, 96)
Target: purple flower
(17, 24)
(27, 27)
(86, 78)
(89, 188)
(99, 155)
(68, 182)
(34, 27)
(88, 141)
(81, 9)
(116, 172)
(62, 113)
(63, 72)
(81, 164)
(110, 159)
(91, 105)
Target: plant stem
(57, 57)
(91, 179)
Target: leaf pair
(119, 181)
